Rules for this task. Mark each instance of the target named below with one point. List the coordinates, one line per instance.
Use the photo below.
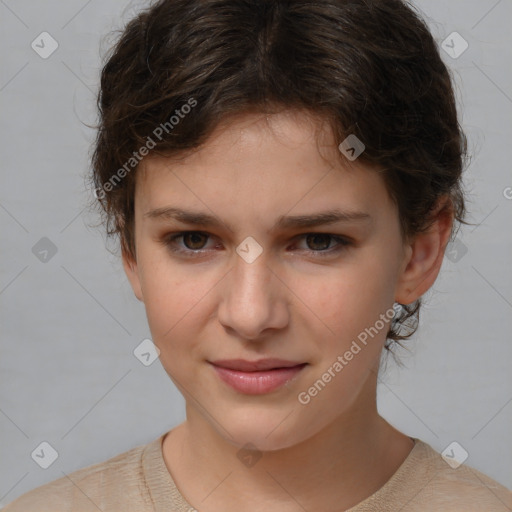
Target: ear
(132, 272)
(424, 256)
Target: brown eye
(192, 241)
(318, 241)
(324, 245)
(190, 244)
(193, 244)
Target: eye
(194, 243)
(320, 243)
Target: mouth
(257, 377)
(252, 366)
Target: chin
(269, 432)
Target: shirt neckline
(161, 488)
(405, 483)
(163, 493)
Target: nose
(255, 301)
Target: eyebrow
(283, 222)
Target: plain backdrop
(70, 323)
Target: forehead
(261, 163)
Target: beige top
(139, 481)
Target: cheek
(165, 291)
(169, 302)
(176, 302)
(352, 297)
(169, 308)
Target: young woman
(284, 177)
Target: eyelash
(343, 244)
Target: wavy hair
(369, 67)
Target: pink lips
(257, 377)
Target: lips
(257, 377)
(254, 366)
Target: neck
(335, 469)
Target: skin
(290, 303)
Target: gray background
(70, 324)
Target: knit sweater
(138, 481)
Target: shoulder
(425, 482)
(465, 488)
(444, 485)
(117, 480)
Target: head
(236, 111)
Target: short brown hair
(370, 68)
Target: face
(306, 298)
